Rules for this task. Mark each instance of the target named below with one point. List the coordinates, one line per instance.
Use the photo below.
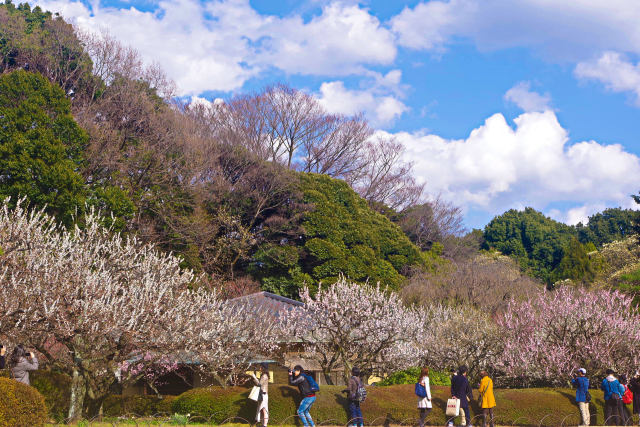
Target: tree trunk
(347, 370)
(78, 393)
(326, 372)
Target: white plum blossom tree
(349, 324)
(451, 336)
(88, 300)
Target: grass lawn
(393, 405)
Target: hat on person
(582, 371)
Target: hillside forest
(266, 190)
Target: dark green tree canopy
(575, 263)
(607, 226)
(342, 235)
(41, 145)
(35, 40)
(534, 240)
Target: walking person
(613, 392)
(461, 390)
(581, 382)
(423, 391)
(262, 381)
(356, 394)
(21, 363)
(634, 386)
(308, 388)
(487, 399)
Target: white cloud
(532, 164)
(527, 100)
(338, 42)
(575, 215)
(563, 30)
(218, 45)
(197, 100)
(380, 108)
(430, 25)
(615, 71)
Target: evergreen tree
(41, 145)
(575, 264)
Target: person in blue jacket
(581, 382)
(613, 392)
(461, 389)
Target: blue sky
(499, 103)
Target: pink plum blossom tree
(546, 338)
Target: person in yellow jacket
(487, 399)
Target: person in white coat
(424, 403)
(262, 381)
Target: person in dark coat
(3, 357)
(461, 389)
(634, 386)
(297, 378)
(355, 412)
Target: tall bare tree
(386, 178)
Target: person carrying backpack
(613, 392)
(627, 399)
(356, 394)
(423, 391)
(308, 388)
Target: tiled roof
(266, 303)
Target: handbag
(254, 394)
(453, 407)
(587, 396)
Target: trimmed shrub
(21, 405)
(116, 405)
(55, 387)
(410, 376)
(215, 403)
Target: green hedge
(138, 405)
(56, 390)
(392, 404)
(20, 405)
(410, 376)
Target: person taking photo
(21, 363)
(581, 382)
(307, 389)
